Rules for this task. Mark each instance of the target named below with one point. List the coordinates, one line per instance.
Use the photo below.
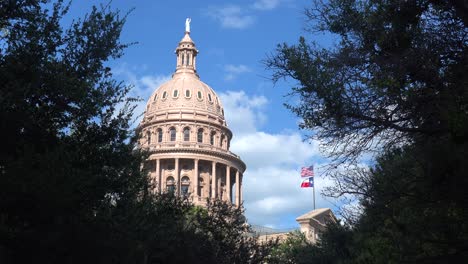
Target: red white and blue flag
(308, 183)
(307, 171)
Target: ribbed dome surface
(186, 92)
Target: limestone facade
(185, 131)
(315, 222)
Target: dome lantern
(186, 53)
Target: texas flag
(307, 183)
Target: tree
(396, 75)
(334, 246)
(71, 185)
(66, 156)
(394, 84)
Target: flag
(307, 171)
(307, 183)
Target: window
(170, 166)
(170, 185)
(186, 134)
(155, 98)
(212, 136)
(199, 95)
(188, 59)
(148, 137)
(187, 93)
(183, 59)
(200, 135)
(222, 141)
(175, 93)
(185, 183)
(172, 133)
(160, 134)
(164, 95)
(209, 98)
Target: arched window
(160, 134)
(186, 134)
(175, 93)
(172, 132)
(212, 136)
(164, 95)
(187, 93)
(155, 98)
(209, 98)
(170, 184)
(200, 135)
(183, 59)
(199, 95)
(148, 137)
(185, 183)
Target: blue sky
(233, 38)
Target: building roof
(314, 214)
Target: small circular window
(187, 93)
(164, 96)
(199, 95)
(175, 93)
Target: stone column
(228, 183)
(219, 188)
(177, 176)
(238, 200)
(195, 182)
(241, 192)
(158, 176)
(213, 180)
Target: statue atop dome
(187, 24)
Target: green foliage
(335, 246)
(295, 249)
(71, 185)
(395, 85)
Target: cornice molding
(226, 156)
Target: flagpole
(314, 194)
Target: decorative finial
(187, 25)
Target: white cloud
(243, 113)
(231, 16)
(240, 17)
(144, 86)
(272, 193)
(266, 4)
(273, 197)
(233, 70)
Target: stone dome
(187, 138)
(185, 92)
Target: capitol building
(187, 136)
